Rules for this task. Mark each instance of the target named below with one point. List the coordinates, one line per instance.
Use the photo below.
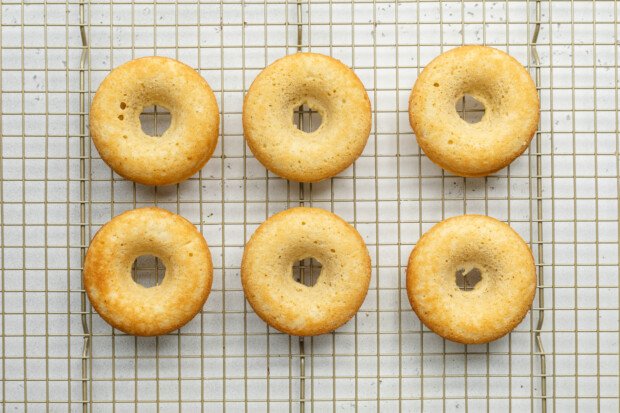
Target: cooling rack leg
(539, 231)
(83, 240)
(302, 351)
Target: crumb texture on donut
(127, 305)
(283, 240)
(327, 86)
(497, 279)
(496, 80)
(184, 147)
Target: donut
(267, 271)
(497, 81)
(125, 304)
(184, 147)
(327, 86)
(471, 279)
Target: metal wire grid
(562, 196)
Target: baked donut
(471, 279)
(327, 86)
(184, 147)
(127, 305)
(497, 81)
(267, 271)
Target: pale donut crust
(327, 86)
(267, 271)
(496, 80)
(184, 147)
(125, 304)
(497, 304)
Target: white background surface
(384, 358)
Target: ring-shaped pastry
(496, 80)
(129, 306)
(327, 86)
(293, 235)
(184, 147)
(471, 279)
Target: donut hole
(306, 119)
(148, 271)
(307, 271)
(467, 280)
(469, 109)
(155, 120)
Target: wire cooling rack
(561, 196)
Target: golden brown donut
(327, 86)
(471, 279)
(497, 81)
(293, 235)
(127, 305)
(184, 147)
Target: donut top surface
(471, 279)
(496, 80)
(282, 241)
(129, 306)
(327, 86)
(116, 130)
